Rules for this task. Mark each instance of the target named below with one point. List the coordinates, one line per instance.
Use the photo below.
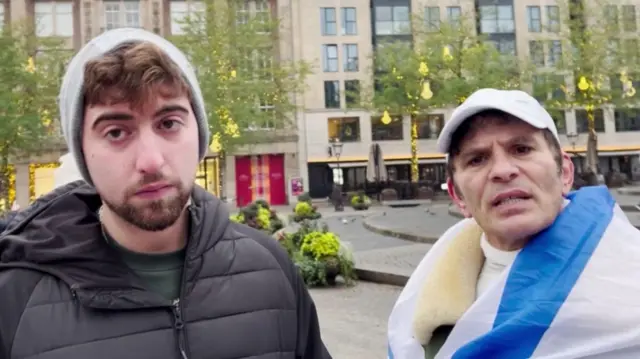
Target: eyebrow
(123, 116)
(475, 150)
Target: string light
(33, 167)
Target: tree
(28, 91)
(249, 91)
(591, 69)
(441, 69)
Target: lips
(510, 197)
(152, 188)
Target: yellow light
(216, 146)
(33, 167)
(423, 69)
(233, 74)
(31, 66)
(446, 53)
(386, 119)
(426, 91)
(583, 84)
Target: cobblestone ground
(354, 319)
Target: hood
(60, 234)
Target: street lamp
(338, 202)
(573, 138)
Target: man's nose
(149, 154)
(502, 167)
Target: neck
(135, 239)
(507, 246)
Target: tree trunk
(592, 152)
(4, 184)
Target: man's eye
(522, 149)
(169, 124)
(115, 134)
(475, 161)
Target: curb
(400, 235)
(375, 276)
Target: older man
(534, 271)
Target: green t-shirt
(162, 273)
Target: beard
(152, 216)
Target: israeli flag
(572, 292)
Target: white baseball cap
(514, 102)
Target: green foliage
(245, 89)
(260, 216)
(319, 245)
(305, 197)
(360, 200)
(28, 94)
(458, 61)
(305, 211)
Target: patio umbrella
(376, 169)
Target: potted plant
(326, 250)
(260, 216)
(305, 211)
(360, 201)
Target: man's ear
(457, 198)
(567, 174)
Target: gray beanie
(72, 104)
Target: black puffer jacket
(65, 294)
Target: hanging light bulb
(426, 91)
(423, 69)
(216, 146)
(233, 74)
(31, 66)
(583, 84)
(446, 53)
(386, 119)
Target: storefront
(260, 177)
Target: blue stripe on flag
(389, 352)
(542, 277)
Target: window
(454, 13)
(262, 11)
(629, 21)
(346, 129)
(504, 46)
(54, 19)
(582, 122)
(350, 57)
(553, 18)
(121, 14)
(1, 15)
(330, 58)
(332, 94)
(392, 20)
(559, 118)
(243, 12)
(496, 19)
(611, 16)
(548, 86)
(534, 21)
(631, 52)
(349, 21)
(432, 17)
(352, 93)
(536, 52)
(180, 11)
(267, 118)
(328, 21)
(386, 132)
(429, 126)
(555, 52)
(627, 119)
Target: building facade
(262, 171)
(337, 37)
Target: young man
(135, 261)
(534, 271)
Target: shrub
(305, 210)
(260, 216)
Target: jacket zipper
(176, 307)
(178, 324)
